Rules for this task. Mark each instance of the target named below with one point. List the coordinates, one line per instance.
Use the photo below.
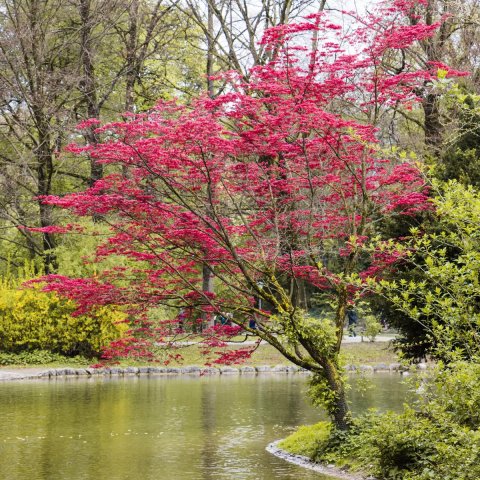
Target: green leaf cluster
(460, 158)
(34, 320)
(440, 290)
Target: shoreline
(305, 462)
(31, 373)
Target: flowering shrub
(34, 320)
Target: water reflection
(182, 428)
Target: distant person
(352, 322)
(352, 317)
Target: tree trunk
(131, 56)
(210, 46)
(49, 257)
(433, 125)
(299, 293)
(207, 287)
(340, 314)
(207, 273)
(89, 84)
(44, 173)
(338, 409)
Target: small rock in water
(263, 368)
(131, 370)
(174, 370)
(228, 370)
(247, 369)
(210, 371)
(190, 370)
(366, 368)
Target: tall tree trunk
(89, 84)
(131, 56)
(44, 157)
(298, 292)
(207, 273)
(434, 50)
(210, 51)
(433, 125)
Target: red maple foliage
(276, 184)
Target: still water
(180, 428)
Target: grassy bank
(366, 353)
(354, 354)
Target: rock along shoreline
(305, 462)
(41, 373)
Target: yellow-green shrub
(31, 319)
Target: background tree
(232, 31)
(460, 158)
(62, 63)
(37, 81)
(436, 294)
(454, 44)
(441, 132)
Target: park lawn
(369, 353)
(366, 353)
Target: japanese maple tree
(276, 183)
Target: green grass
(307, 439)
(368, 353)
(354, 354)
(40, 358)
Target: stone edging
(305, 462)
(32, 373)
(137, 371)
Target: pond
(176, 428)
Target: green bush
(411, 446)
(397, 444)
(454, 391)
(39, 357)
(34, 320)
(372, 327)
(406, 446)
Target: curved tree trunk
(338, 409)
